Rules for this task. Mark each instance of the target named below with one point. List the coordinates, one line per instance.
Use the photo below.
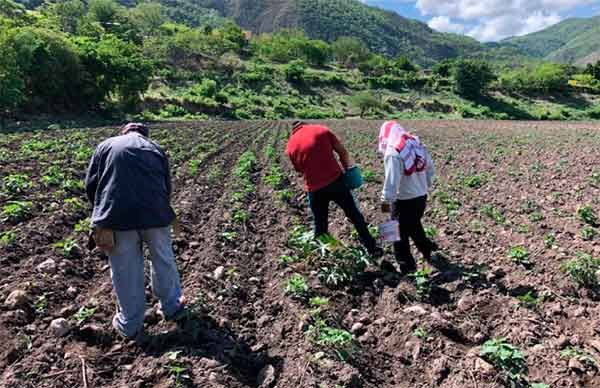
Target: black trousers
(409, 213)
(338, 193)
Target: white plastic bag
(390, 231)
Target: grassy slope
(568, 41)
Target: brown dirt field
(500, 185)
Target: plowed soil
(500, 186)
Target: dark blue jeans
(338, 193)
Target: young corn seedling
(83, 315)
(177, 368)
(588, 233)
(422, 282)
(16, 211)
(297, 287)
(587, 215)
(519, 255)
(7, 239)
(580, 355)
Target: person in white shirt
(409, 173)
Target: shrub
(295, 70)
(366, 101)
(472, 77)
(349, 51)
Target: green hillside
(575, 41)
(382, 31)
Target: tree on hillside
(375, 66)
(366, 101)
(404, 64)
(350, 51)
(66, 15)
(50, 68)
(472, 77)
(114, 67)
(11, 83)
(594, 70)
(147, 18)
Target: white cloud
(490, 20)
(444, 24)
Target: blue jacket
(129, 184)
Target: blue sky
(490, 20)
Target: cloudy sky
(490, 20)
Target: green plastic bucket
(353, 178)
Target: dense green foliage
(109, 57)
(472, 77)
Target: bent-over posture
(311, 149)
(128, 182)
(409, 173)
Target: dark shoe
(176, 315)
(407, 266)
(376, 253)
(386, 266)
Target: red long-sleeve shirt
(310, 148)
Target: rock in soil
(576, 365)
(17, 299)
(16, 317)
(266, 377)
(72, 292)
(416, 310)
(484, 367)
(357, 328)
(439, 370)
(48, 266)
(218, 273)
(60, 327)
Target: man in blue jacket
(129, 184)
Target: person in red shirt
(311, 150)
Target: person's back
(132, 189)
(310, 149)
(129, 184)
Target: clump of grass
(582, 270)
